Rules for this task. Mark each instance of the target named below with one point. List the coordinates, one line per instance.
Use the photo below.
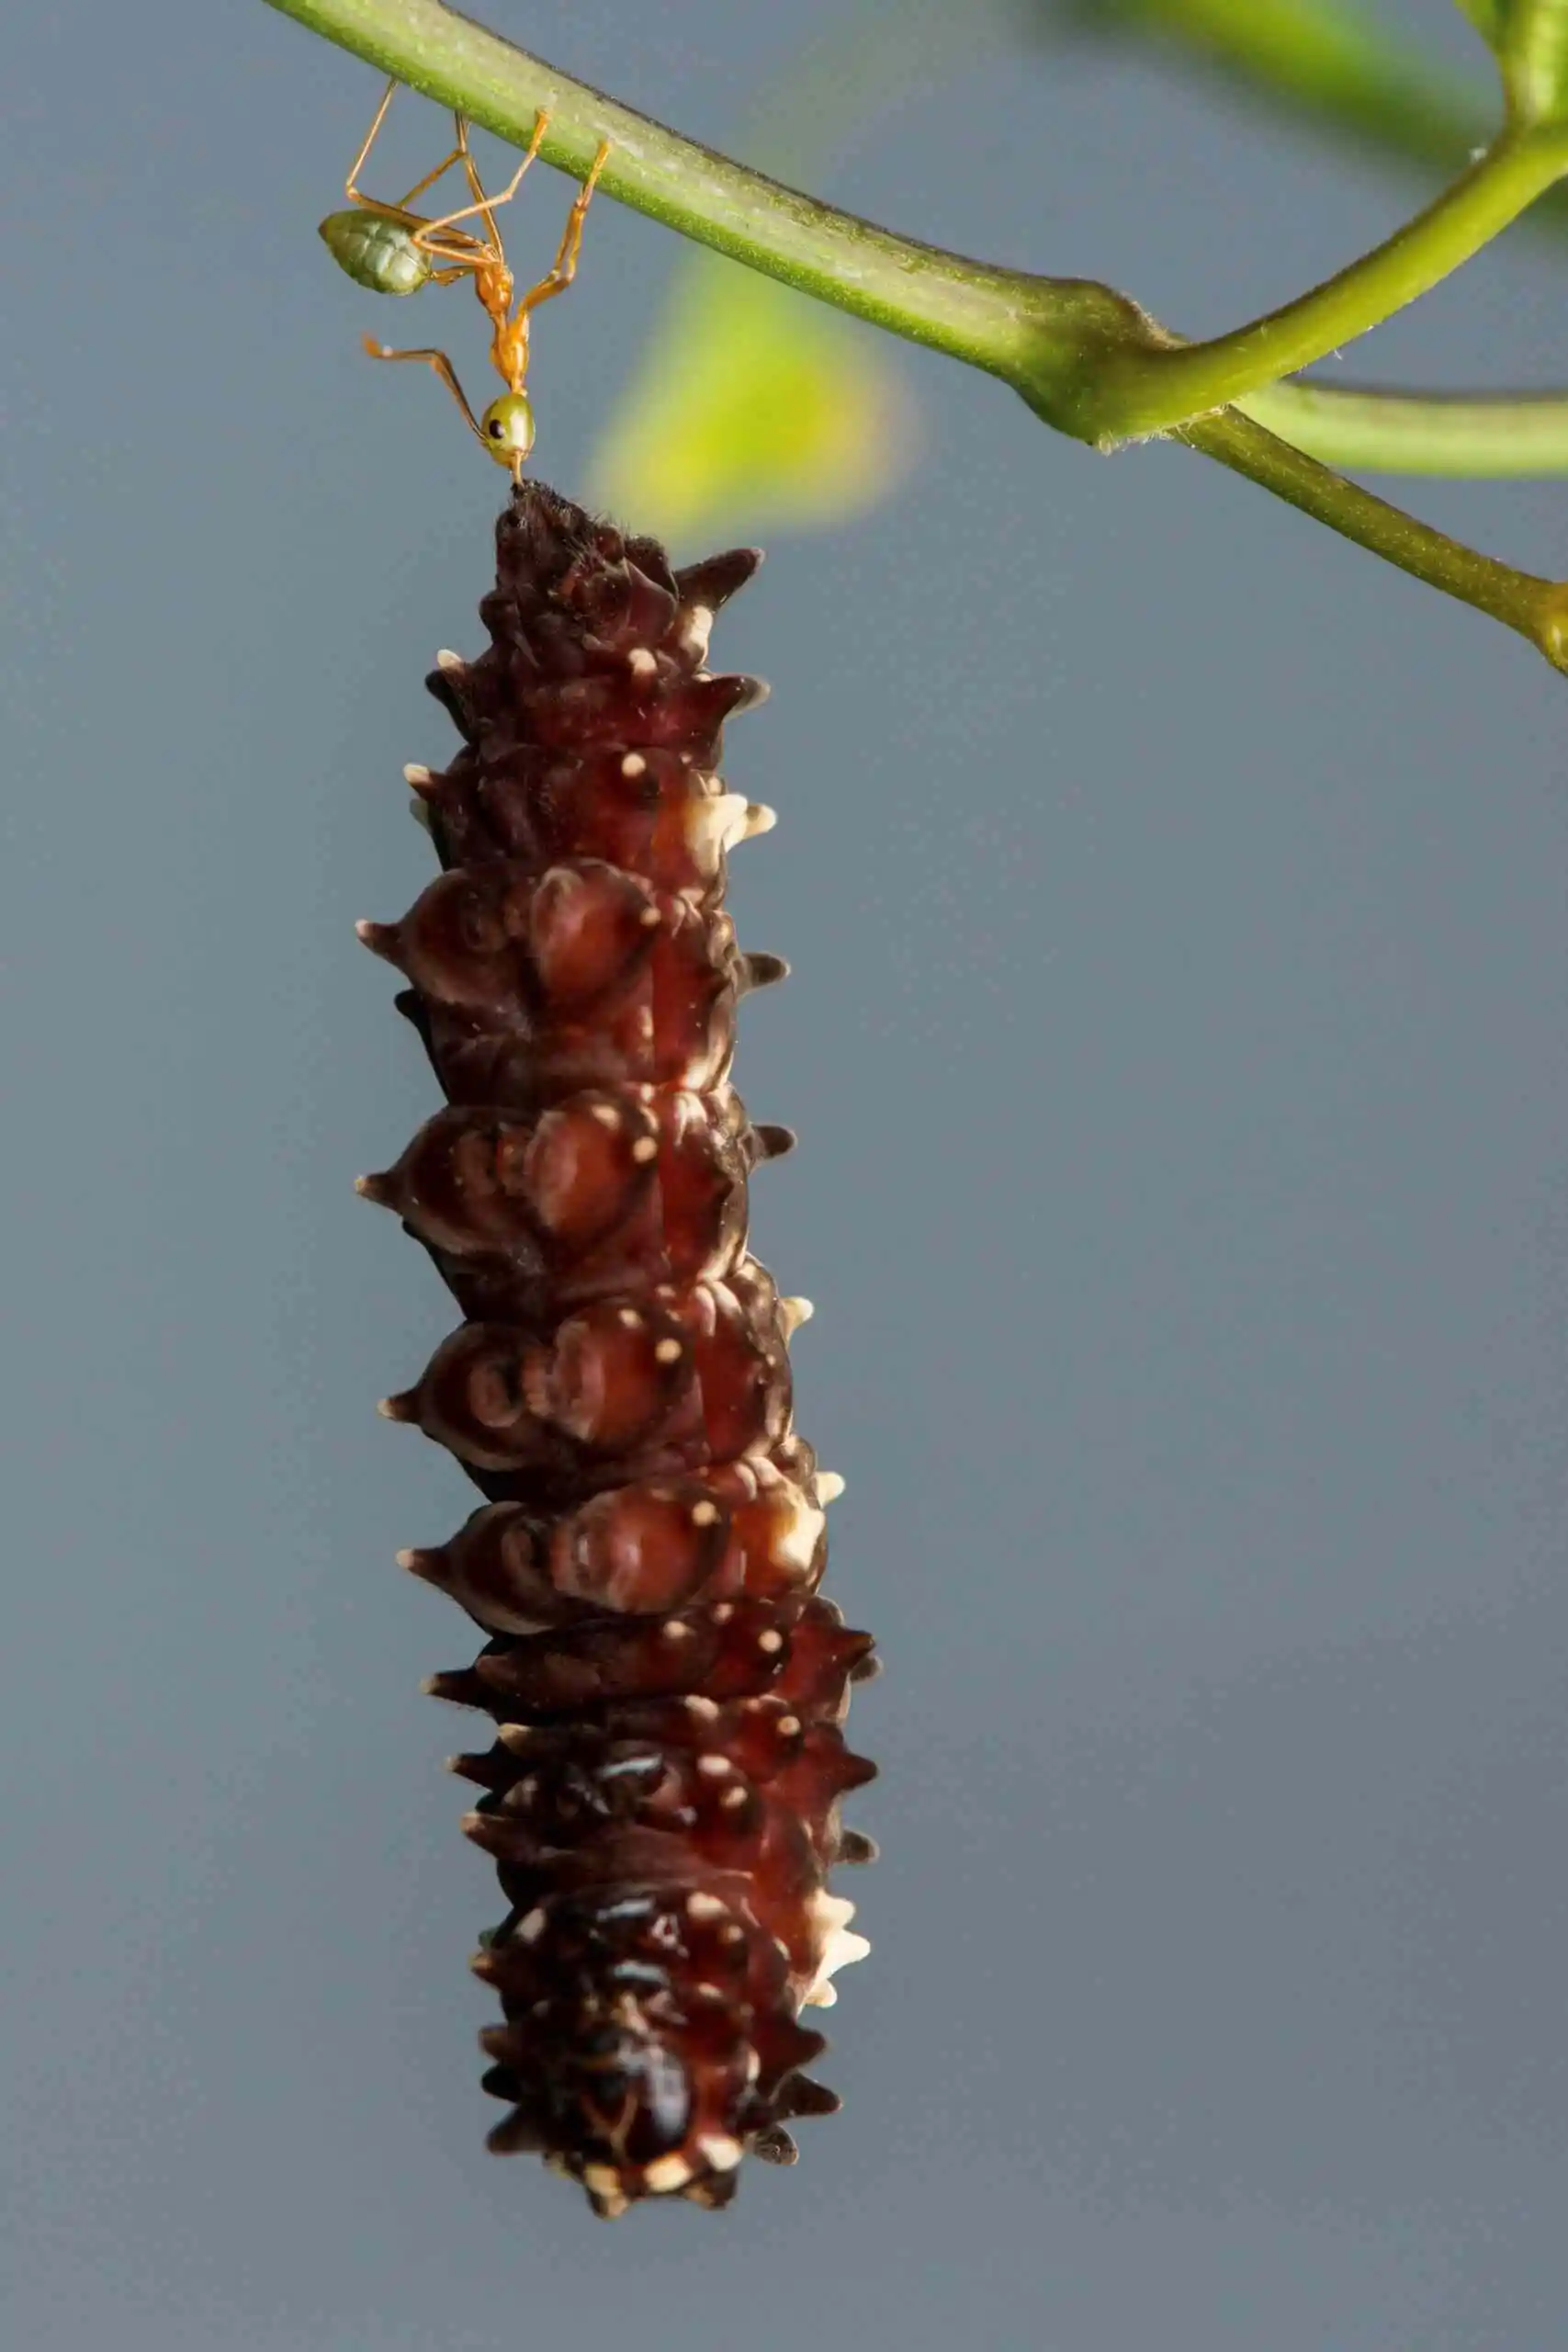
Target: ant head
(507, 429)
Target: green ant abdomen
(376, 252)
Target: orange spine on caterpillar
(668, 1688)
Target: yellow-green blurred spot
(752, 406)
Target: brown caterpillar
(662, 1796)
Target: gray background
(1178, 1043)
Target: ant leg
(430, 178)
(564, 268)
(489, 203)
(374, 204)
(444, 369)
(444, 243)
(464, 257)
(476, 186)
(349, 187)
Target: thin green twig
(1519, 599)
(1498, 437)
(1146, 391)
(1531, 41)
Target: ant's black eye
(495, 428)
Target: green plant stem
(1519, 599)
(1085, 358)
(1532, 40)
(1151, 390)
(1495, 435)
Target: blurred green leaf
(1326, 59)
(1487, 15)
(753, 405)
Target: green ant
(393, 251)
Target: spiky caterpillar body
(661, 1796)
